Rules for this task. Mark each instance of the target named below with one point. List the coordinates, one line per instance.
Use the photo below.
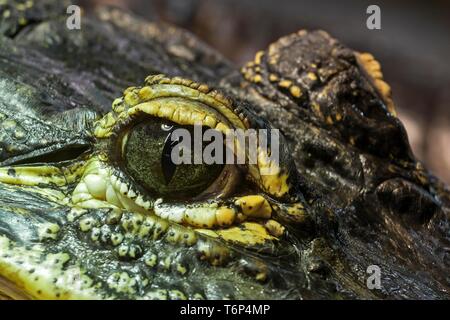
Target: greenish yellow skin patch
(35, 272)
(48, 181)
(248, 233)
(42, 175)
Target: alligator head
(92, 207)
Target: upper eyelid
(209, 104)
(177, 110)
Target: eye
(135, 142)
(146, 155)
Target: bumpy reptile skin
(348, 192)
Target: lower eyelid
(213, 215)
(246, 220)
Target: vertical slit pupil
(168, 167)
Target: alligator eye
(147, 157)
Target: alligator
(91, 208)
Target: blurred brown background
(413, 47)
